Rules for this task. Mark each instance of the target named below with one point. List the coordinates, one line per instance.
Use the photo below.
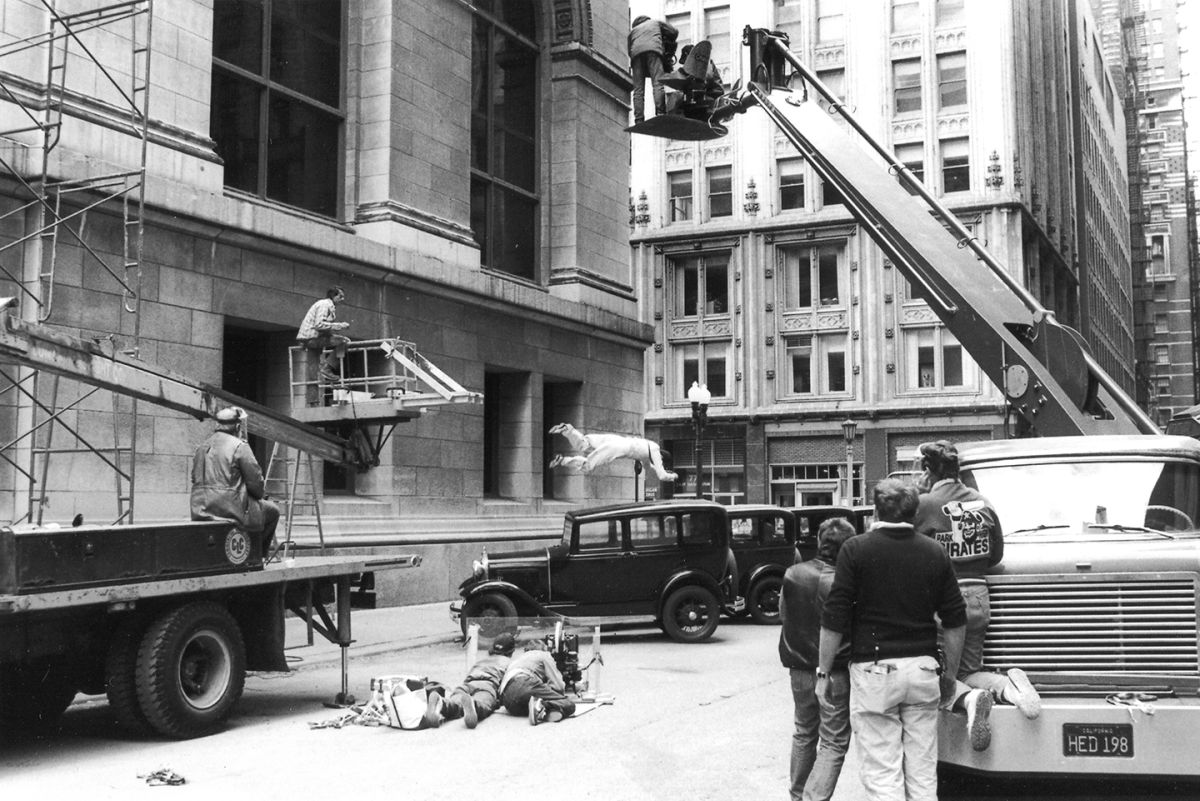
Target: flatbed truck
(170, 651)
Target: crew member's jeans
(483, 693)
(815, 768)
(971, 674)
(522, 687)
(336, 342)
(643, 66)
(894, 715)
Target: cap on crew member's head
(230, 417)
(940, 458)
(504, 644)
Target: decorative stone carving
(955, 39)
(953, 124)
(829, 56)
(918, 315)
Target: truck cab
(1095, 600)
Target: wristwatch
(821, 674)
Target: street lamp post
(849, 429)
(699, 396)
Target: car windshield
(1108, 496)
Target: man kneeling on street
(533, 686)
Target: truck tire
(120, 676)
(763, 600)
(191, 668)
(691, 614)
(34, 696)
(491, 609)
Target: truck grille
(1105, 626)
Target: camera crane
(1048, 376)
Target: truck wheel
(34, 696)
(191, 668)
(120, 671)
(691, 614)
(763, 601)
(491, 609)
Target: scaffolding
(56, 209)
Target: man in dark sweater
(889, 588)
(964, 523)
(815, 770)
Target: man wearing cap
(650, 43)
(479, 694)
(964, 523)
(227, 483)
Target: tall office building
(760, 284)
(1162, 203)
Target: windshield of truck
(1107, 496)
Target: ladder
(291, 478)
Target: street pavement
(706, 721)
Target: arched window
(504, 133)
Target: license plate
(1098, 739)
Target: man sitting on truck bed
(227, 483)
(964, 523)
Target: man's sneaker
(470, 713)
(433, 711)
(1021, 693)
(537, 713)
(979, 707)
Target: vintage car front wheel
(691, 614)
(489, 610)
(763, 600)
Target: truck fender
(681, 578)
(524, 601)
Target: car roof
(1092, 445)
(821, 509)
(646, 507)
(749, 509)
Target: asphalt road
(709, 721)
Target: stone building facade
(458, 168)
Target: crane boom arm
(56, 351)
(1044, 368)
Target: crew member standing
(964, 523)
(227, 483)
(650, 42)
(317, 332)
(889, 588)
(815, 768)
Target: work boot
(1021, 693)
(470, 713)
(979, 707)
(433, 711)
(328, 374)
(537, 712)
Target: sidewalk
(375, 631)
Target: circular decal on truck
(237, 546)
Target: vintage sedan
(666, 561)
(764, 543)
